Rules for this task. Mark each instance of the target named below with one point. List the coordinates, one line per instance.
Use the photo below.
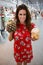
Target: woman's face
(22, 16)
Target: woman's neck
(22, 23)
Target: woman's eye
(22, 14)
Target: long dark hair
(28, 16)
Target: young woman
(22, 36)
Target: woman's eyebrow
(23, 14)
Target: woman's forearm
(10, 37)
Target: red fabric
(22, 45)
(33, 25)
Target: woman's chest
(21, 34)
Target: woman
(22, 36)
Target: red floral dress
(22, 44)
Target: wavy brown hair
(28, 16)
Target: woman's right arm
(10, 37)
